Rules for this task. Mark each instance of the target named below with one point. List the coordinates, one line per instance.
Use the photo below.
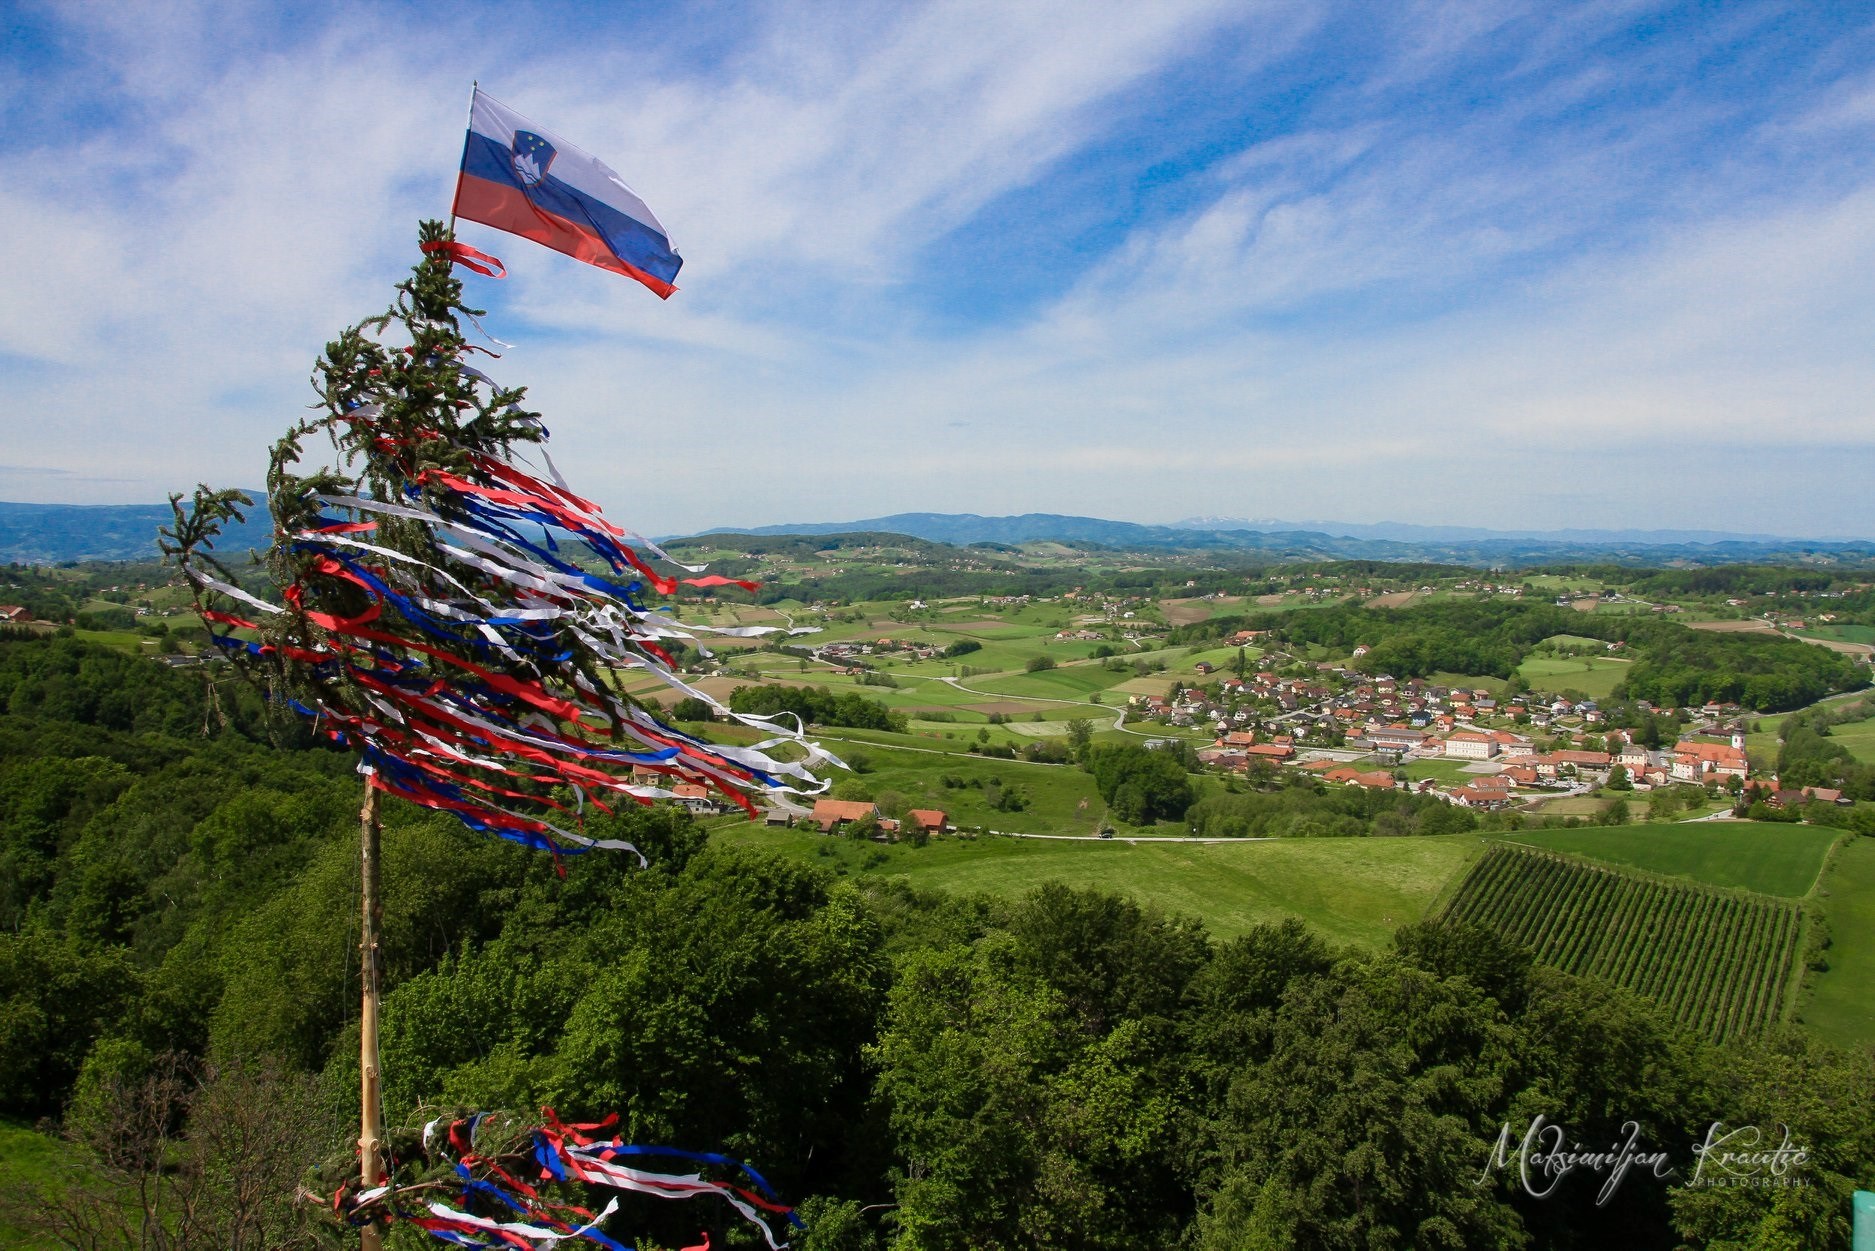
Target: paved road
(1145, 838)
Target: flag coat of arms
(528, 181)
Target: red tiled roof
(843, 809)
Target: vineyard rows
(1717, 960)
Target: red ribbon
(467, 257)
(717, 579)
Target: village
(1354, 729)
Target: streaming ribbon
(513, 1212)
(457, 678)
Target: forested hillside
(1071, 1070)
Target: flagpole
(475, 85)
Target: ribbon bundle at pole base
(496, 1178)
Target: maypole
(458, 618)
(370, 966)
(370, 1080)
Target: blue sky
(1512, 265)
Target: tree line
(1673, 665)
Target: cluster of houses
(1519, 766)
(830, 816)
(847, 652)
(1343, 703)
(1271, 718)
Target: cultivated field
(1718, 961)
(1189, 611)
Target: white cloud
(1385, 294)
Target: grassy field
(121, 640)
(1771, 859)
(1594, 676)
(1554, 583)
(1355, 890)
(1448, 772)
(1061, 799)
(1839, 1007)
(1065, 682)
(1762, 743)
(1858, 737)
(1573, 806)
(1842, 633)
(25, 1157)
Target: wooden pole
(370, 1101)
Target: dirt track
(1759, 627)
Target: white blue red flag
(530, 182)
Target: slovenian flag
(528, 181)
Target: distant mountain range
(55, 533)
(1279, 540)
(51, 534)
(1405, 532)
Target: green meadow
(1839, 1005)
(1594, 676)
(1071, 682)
(1858, 737)
(26, 1158)
(1445, 772)
(1055, 799)
(1769, 858)
(1762, 742)
(1841, 633)
(1354, 890)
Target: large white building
(1470, 745)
